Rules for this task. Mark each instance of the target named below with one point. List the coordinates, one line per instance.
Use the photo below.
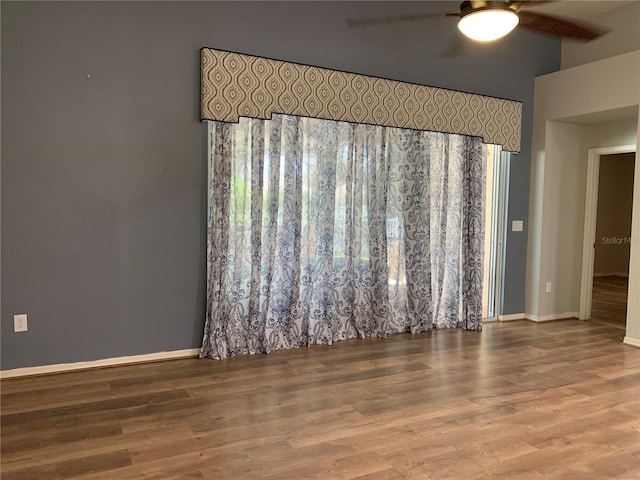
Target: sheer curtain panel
(321, 230)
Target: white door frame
(590, 213)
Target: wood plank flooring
(609, 299)
(520, 400)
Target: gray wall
(103, 179)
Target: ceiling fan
(485, 21)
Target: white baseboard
(552, 317)
(511, 317)
(106, 362)
(632, 341)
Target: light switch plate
(517, 226)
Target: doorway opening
(607, 235)
(613, 238)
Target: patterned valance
(234, 85)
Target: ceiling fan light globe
(489, 24)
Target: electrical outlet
(20, 322)
(548, 288)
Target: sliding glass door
(495, 230)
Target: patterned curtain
(321, 231)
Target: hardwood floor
(609, 299)
(520, 400)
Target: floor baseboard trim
(635, 342)
(552, 317)
(511, 317)
(106, 362)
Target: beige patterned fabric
(234, 85)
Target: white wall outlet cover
(20, 322)
(517, 226)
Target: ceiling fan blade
(529, 3)
(366, 21)
(549, 25)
